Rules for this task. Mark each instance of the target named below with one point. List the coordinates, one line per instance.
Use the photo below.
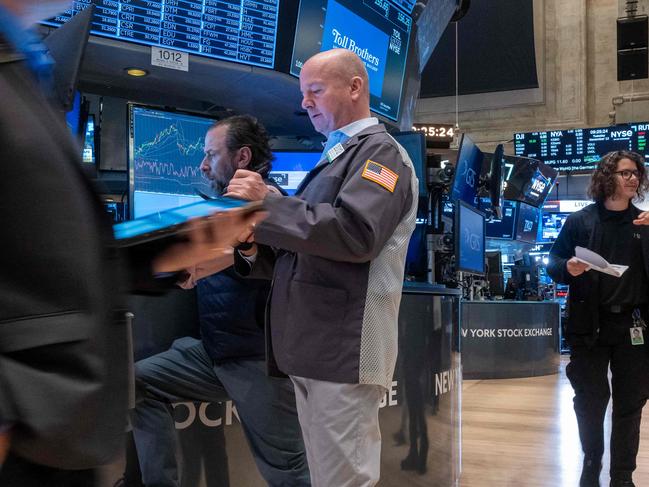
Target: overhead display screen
(467, 171)
(243, 31)
(581, 149)
(527, 180)
(377, 30)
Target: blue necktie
(335, 137)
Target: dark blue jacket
(231, 313)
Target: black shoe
(590, 472)
(622, 483)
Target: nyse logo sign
(200, 413)
(395, 42)
(447, 381)
(187, 413)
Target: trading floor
(523, 432)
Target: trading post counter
(419, 415)
(508, 339)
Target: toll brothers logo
(345, 42)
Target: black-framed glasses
(627, 173)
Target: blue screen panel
(469, 239)
(89, 146)
(551, 225)
(73, 117)
(243, 32)
(379, 32)
(165, 153)
(467, 172)
(290, 168)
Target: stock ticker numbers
(242, 31)
(167, 152)
(581, 149)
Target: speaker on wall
(632, 64)
(632, 42)
(632, 32)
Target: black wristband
(243, 246)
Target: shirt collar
(358, 126)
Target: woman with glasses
(606, 325)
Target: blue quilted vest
(231, 313)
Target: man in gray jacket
(336, 254)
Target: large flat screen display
(581, 149)
(290, 168)
(378, 31)
(467, 171)
(165, 153)
(469, 239)
(239, 31)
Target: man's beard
(219, 187)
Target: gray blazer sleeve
(355, 227)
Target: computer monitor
(415, 145)
(527, 223)
(502, 228)
(165, 152)
(491, 179)
(494, 261)
(551, 225)
(467, 171)
(291, 167)
(527, 180)
(416, 258)
(469, 239)
(90, 146)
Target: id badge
(637, 338)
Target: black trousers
(18, 472)
(588, 374)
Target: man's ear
(244, 157)
(356, 87)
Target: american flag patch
(380, 174)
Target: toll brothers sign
(507, 333)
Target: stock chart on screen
(165, 152)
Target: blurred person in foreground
(336, 253)
(227, 362)
(63, 363)
(606, 326)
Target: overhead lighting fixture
(136, 72)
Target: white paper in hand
(598, 263)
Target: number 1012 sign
(167, 58)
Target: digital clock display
(436, 131)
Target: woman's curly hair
(603, 183)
